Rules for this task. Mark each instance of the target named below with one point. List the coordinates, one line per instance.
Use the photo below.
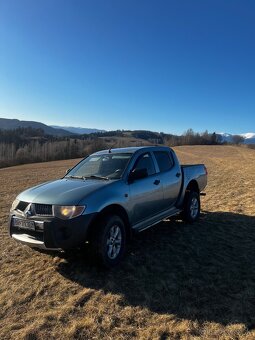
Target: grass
(178, 281)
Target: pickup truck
(107, 197)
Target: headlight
(66, 212)
(14, 204)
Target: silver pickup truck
(107, 197)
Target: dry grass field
(178, 281)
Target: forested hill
(10, 124)
(28, 145)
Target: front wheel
(109, 242)
(191, 209)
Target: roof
(131, 149)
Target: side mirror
(137, 174)
(68, 170)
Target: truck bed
(196, 172)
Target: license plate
(23, 224)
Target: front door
(146, 194)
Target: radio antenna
(110, 149)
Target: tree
(237, 139)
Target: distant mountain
(77, 130)
(249, 137)
(10, 124)
(226, 137)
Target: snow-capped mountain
(225, 137)
(249, 137)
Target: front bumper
(53, 233)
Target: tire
(109, 241)
(191, 209)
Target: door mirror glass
(138, 174)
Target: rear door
(146, 194)
(170, 176)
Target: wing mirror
(137, 174)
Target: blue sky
(111, 64)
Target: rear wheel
(109, 241)
(191, 210)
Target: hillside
(77, 130)
(10, 124)
(178, 281)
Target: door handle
(156, 182)
(178, 174)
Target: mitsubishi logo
(27, 212)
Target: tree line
(28, 145)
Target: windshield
(106, 166)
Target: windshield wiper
(77, 177)
(97, 177)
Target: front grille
(43, 209)
(22, 206)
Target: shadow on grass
(204, 271)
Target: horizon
(89, 127)
(164, 66)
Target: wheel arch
(114, 209)
(192, 186)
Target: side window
(145, 161)
(164, 160)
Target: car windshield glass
(105, 166)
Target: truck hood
(62, 192)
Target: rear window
(164, 160)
